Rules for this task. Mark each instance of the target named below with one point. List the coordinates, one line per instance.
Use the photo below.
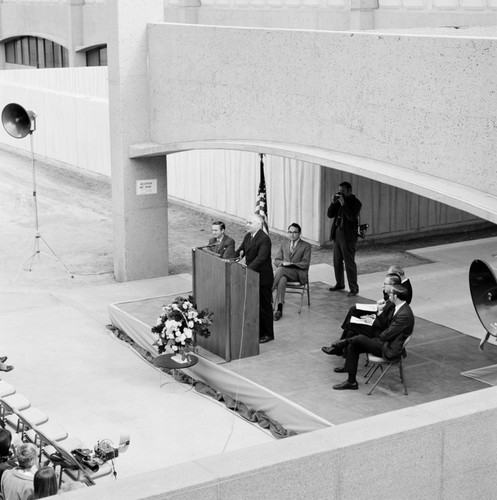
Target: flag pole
(261, 202)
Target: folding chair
(378, 362)
(301, 289)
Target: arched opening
(35, 52)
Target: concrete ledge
(435, 450)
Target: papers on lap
(360, 321)
(367, 307)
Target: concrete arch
(444, 191)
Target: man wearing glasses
(292, 264)
(388, 344)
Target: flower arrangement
(179, 324)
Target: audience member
(44, 483)
(404, 281)
(387, 344)
(292, 262)
(344, 210)
(221, 243)
(374, 323)
(256, 248)
(6, 459)
(17, 483)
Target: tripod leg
(30, 257)
(53, 255)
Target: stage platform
(294, 368)
(135, 319)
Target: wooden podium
(231, 291)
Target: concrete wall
(413, 111)
(72, 124)
(446, 450)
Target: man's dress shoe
(346, 385)
(277, 315)
(339, 369)
(329, 350)
(352, 293)
(336, 288)
(263, 340)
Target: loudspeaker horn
(17, 121)
(483, 288)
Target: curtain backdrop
(227, 181)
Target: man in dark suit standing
(292, 262)
(256, 248)
(221, 243)
(387, 344)
(344, 210)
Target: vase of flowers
(178, 326)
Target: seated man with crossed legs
(387, 344)
(292, 262)
(376, 322)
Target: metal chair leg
(373, 367)
(301, 300)
(379, 378)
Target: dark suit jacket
(257, 253)
(225, 249)
(300, 259)
(349, 214)
(399, 328)
(408, 285)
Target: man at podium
(256, 248)
(221, 243)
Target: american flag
(261, 203)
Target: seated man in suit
(387, 344)
(403, 280)
(221, 243)
(292, 262)
(375, 321)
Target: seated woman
(6, 456)
(44, 483)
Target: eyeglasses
(293, 232)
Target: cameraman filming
(344, 210)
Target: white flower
(174, 348)
(188, 333)
(190, 324)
